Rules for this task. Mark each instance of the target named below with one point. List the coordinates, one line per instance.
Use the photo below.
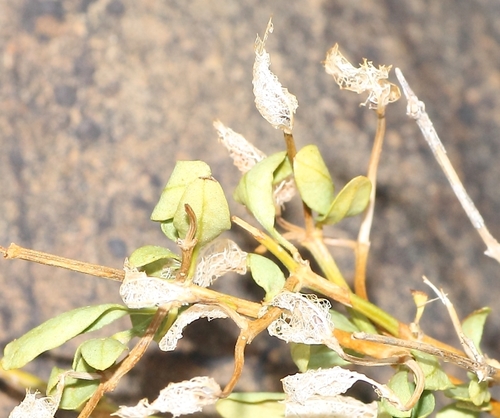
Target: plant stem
(15, 251)
(363, 242)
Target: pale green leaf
(266, 274)
(425, 405)
(149, 254)
(435, 377)
(252, 405)
(312, 178)
(301, 353)
(453, 411)
(255, 190)
(322, 357)
(479, 392)
(473, 325)
(101, 353)
(401, 387)
(206, 198)
(351, 200)
(76, 391)
(57, 331)
(342, 322)
(185, 172)
(169, 230)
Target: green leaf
(76, 391)
(313, 180)
(101, 353)
(479, 392)
(169, 230)
(342, 322)
(255, 190)
(251, 405)
(473, 325)
(185, 172)
(459, 393)
(57, 331)
(301, 354)
(322, 357)
(453, 411)
(266, 274)
(435, 377)
(151, 253)
(425, 405)
(350, 201)
(206, 198)
(401, 387)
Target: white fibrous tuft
(284, 192)
(335, 407)
(178, 399)
(35, 407)
(141, 410)
(140, 291)
(306, 319)
(188, 397)
(174, 334)
(217, 258)
(365, 78)
(243, 153)
(272, 100)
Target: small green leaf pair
(191, 183)
(316, 188)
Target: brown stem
(15, 251)
(363, 244)
(188, 244)
(127, 364)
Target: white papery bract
(141, 410)
(307, 321)
(272, 100)
(174, 334)
(35, 407)
(337, 407)
(188, 397)
(365, 78)
(217, 258)
(140, 291)
(244, 154)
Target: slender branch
(363, 242)
(416, 110)
(15, 251)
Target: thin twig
(416, 110)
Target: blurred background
(99, 98)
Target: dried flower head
(244, 154)
(35, 407)
(140, 291)
(217, 258)
(274, 102)
(174, 334)
(306, 319)
(365, 78)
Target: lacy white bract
(365, 78)
(140, 291)
(35, 407)
(174, 334)
(181, 398)
(272, 100)
(307, 321)
(217, 258)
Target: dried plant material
(365, 78)
(272, 100)
(140, 291)
(181, 398)
(244, 154)
(217, 258)
(35, 407)
(328, 384)
(420, 299)
(174, 334)
(335, 407)
(306, 318)
(284, 192)
(416, 110)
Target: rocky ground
(99, 98)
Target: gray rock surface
(99, 98)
